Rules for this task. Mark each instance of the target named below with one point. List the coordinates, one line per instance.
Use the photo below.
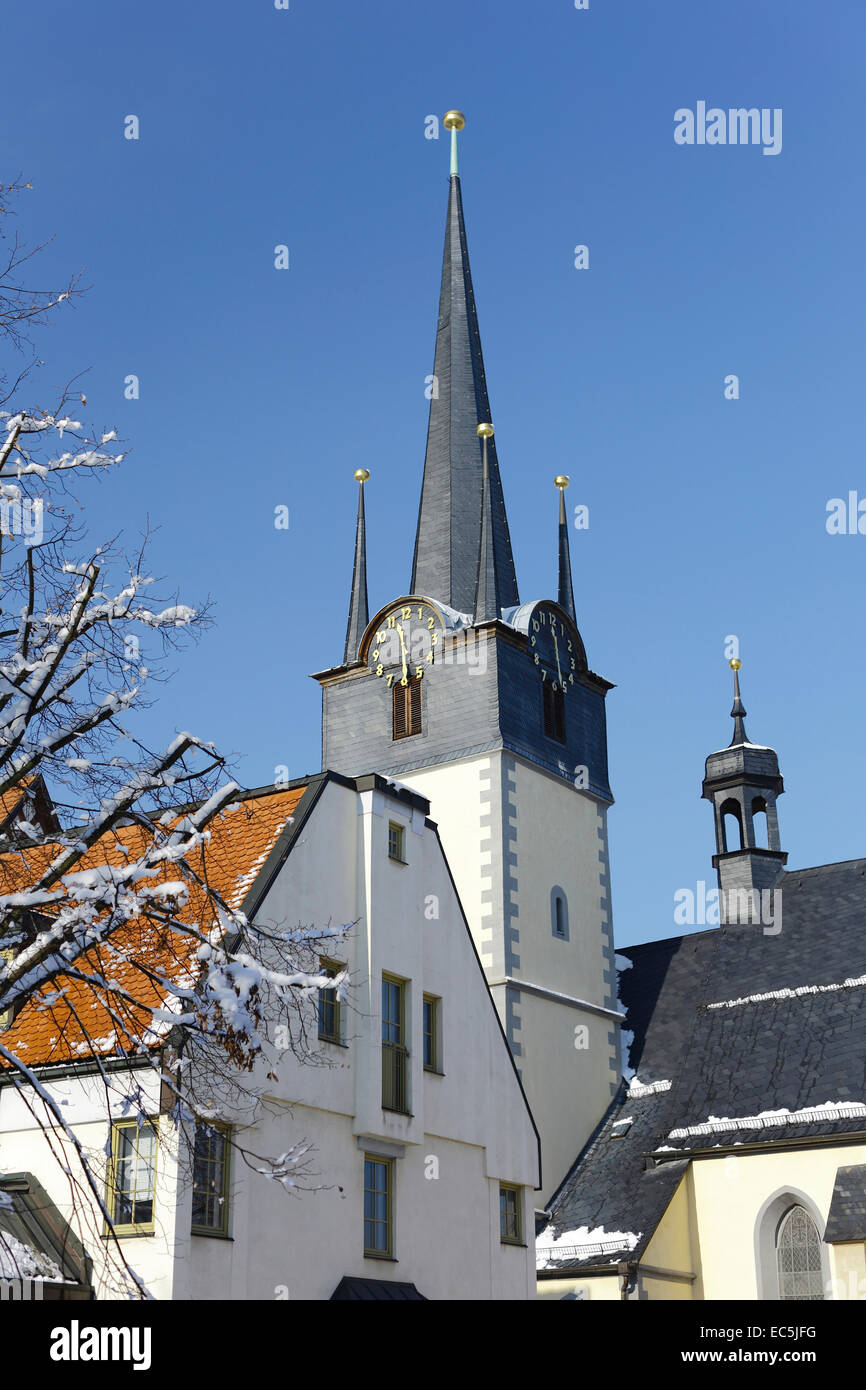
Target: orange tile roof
(142, 957)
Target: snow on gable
(582, 1244)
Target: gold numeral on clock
(390, 678)
(380, 670)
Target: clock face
(407, 642)
(553, 648)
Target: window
(330, 1022)
(510, 1223)
(132, 1179)
(554, 712)
(378, 1204)
(395, 1056)
(407, 708)
(559, 913)
(430, 1033)
(210, 1181)
(798, 1257)
(396, 842)
(6, 1015)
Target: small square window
(210, 1181)
(510, 1217)
(396, 842)
(378, 1207)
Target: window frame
(224, 1194)
(411, 722)
(553, 713)
(373, 1252)
(130, 1228)
(512, 1189)
(332, 967)
(400, 857)
(434, 1002)
(395, 1046)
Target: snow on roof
(20, 1261)
(637, 1088)
(581, 1244)
(813, 1114)
(850, 983)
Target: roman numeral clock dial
(553, 649)
(407, 642)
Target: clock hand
(403, 645)
(558, 667)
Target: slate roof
(740, 1022)
(53, 1028)
(847, 1218)
(448, 537)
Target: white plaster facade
(469, 1129)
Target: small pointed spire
(359, 614)
(566, 588)
(738, 709)
(488, 602)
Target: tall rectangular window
(430, 1033)
(330, 1022)
(397, 842)
(395, 1056)
(407, 708)
(132, 1177)
(510, 1217)
(210, 1181)
(378, 1207)
(554, 711)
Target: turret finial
(454, 121)
(738, 709)
(566, 587)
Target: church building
(486, 705)
(732, 1162)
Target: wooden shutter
(399, 693)
(414, 693)
(407, 709)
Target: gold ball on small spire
(361, 475)
(561, 481)
(485, 430)
(454, 120)
(735, 663)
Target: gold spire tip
(454, 120)
(735, 663)
(361, 475)
(561, 481)
(485, 430)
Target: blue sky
(262, 387)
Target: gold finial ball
(454, 120)
(361, 475)
(485, 430)
(735, 663)
(561, 481)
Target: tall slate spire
(488, 600)
(448, 538)
(359, 614)
(738, 709)
(566, 588)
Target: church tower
(743, 781)
(487, 707)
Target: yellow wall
(603, 1286)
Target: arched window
(559, 913)
(798, 1257)
(759, 823)
(732, 826)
